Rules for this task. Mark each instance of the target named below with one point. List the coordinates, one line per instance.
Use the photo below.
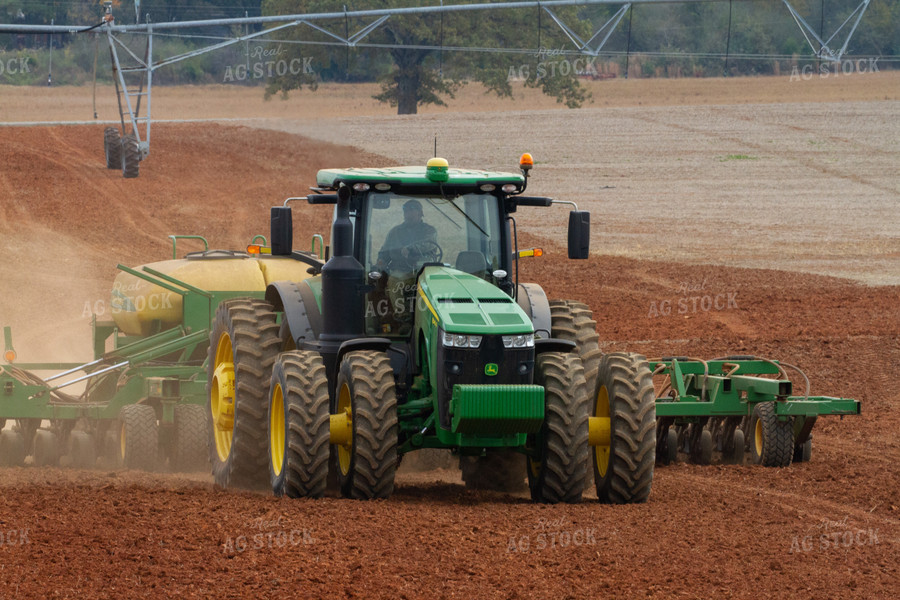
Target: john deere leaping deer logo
(491, 369)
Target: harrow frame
(720, 395)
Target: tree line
(413, 60)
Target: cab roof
(415, 176)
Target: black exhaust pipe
(343, 279)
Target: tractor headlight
(456, 340)
(525, 340)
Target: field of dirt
(732, 167)
(227, 101)
(822, 529)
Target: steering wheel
(425, 251)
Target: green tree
(418, 71)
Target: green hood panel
(464, 303)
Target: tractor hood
(463, 303)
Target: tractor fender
(553, 345)
(533, 301)
(301, 312)
(369, 343)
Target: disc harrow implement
(736, 408)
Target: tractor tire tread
(565, 449)
(574, 321)
(375, 426)
(307, 439)
(255, 343)
(632, 400)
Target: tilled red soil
(824, 529)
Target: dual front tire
(364, 435)
(559, 467)
(299, 426)
(624, 459)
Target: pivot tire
(771, 439)
(189, 453)
(82, 450)
(12, 449)
(574, 321)
(46, 449)
(560, 470)
(623, 470)
(130, 158)
(299, 426)
(498, 471)
(112, 148)
(138, 437)
(365, 394)
(243, 346)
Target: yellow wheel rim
(758, 437)
(345, 451)
(122, 441)
(601, 451)
(276, 429)
(221, 397)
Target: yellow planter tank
(136, 303)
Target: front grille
(472, 363)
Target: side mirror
(579, 234)
(281, 231)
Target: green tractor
(415, 333)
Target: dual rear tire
(244, 345)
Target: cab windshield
(405, 232)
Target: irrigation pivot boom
(133, 71)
